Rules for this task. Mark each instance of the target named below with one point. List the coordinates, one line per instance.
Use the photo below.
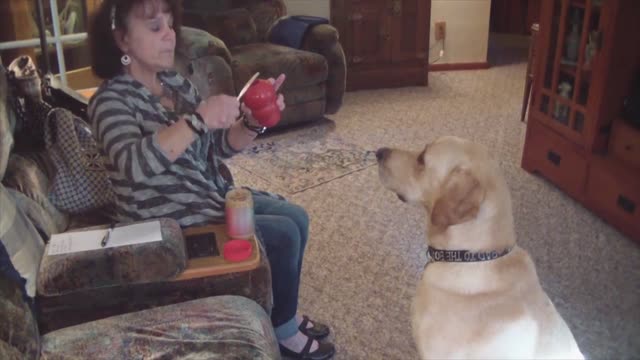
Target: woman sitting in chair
(164, 148)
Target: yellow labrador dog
(479, 296)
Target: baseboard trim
(459, 66)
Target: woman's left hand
(277, 83)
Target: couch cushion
(21, 240)
(235, 27)
(303, 68)
(263, 12)
(303, 112)
(38, 216)
(222, 327)
(29, 175)
(316, 92)
(6, 135)
(18, 334)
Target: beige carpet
(366, 251)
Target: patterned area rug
(300, 162)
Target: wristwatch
(196, 123)
(257, 129)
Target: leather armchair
(237, 34)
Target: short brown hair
(105, 53)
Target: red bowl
(236, 250)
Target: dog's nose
(382, 153)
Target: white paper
(71, 242)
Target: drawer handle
(554, 158)
(626, 204)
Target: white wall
(467, 26)
(308, 7)
(467, 34)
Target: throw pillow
(21, 240)
(6, 131)
(235, 27)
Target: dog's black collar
(464, 256)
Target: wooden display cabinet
(589, 54)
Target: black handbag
(64, 97)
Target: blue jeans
(284, 229)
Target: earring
(125, 60)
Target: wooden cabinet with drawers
(614, 191)
(561, 161)
(576, 138)
(624, 143)
(386, 42)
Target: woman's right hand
(220, 111)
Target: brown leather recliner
(316, 72)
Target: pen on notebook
(105, 239)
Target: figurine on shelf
(573, 40)
(561, 112)
(592, 47)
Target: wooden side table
(216, 264)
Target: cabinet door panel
(410, 22)
(368, 33)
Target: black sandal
(318, 331)
(323, 352)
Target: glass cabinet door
(574, 39)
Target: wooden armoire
(386, 42)
(578, 136)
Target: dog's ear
(459, 199)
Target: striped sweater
(126, 118)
